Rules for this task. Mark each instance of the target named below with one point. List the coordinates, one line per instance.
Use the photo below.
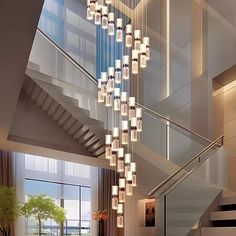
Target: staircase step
(41, 98)
(218, 231)
(53, 108)
(223, 215)
(35, 93)
(47, 103)
(228, 200)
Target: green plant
(43, 208)
(9, 209)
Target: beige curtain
(106, 180)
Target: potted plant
(9, 209)
(101, 216)
(43, 208)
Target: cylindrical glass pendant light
(100, 3)
(111, 79)
(137, 39)
(133, 130)
(120, 216)
(146, 41)
(128, 36)
(132, 108)
(115, 200)
(139, 119)
(108, 1)
(126, 67)
(129, 189)
(108, 99)
(125, 132)
(104, 83)
(97, 16)
(134, 62)
(111, 24)
(113, 158)
(118, 72)
(108, 149)
(117, 99)
(127, 164)
(104, 17)
(89, 15)
(92, 6)
(120, 160)
(124, 104)
(119, 32)
(143, 56)
(134, 177)
(121, 190)
(100, 96)
(115, 141)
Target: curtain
(7, 168)
(7, 173)
(105, 181)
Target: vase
(101, 228)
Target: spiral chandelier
(114, 91)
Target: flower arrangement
(100, 215)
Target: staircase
(224, 220)
(65, 111)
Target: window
(75, 199)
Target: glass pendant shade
(113, 158)
(121, 190)
(111, 24)
(139, 119)
(135, 56)
(92, 7)
(97, 16)
(125, 132)
(129, 189)
(115, 141)
(132, 108)
(126, 67)
(128, 36)
(120, 216)
(108, 99)
(119, 32)
(104, 17)
(89, 15)
(111, 79)
(137, 39)
(143, 58)
(120, 160)
(133, 130)
(127, 164)
(108, 1)
(108, 149)
(100, 3)
(146, 41)
(134, 177)
(118, 72)
(117, 99)
(104, 83)
(115, 200)
(124, 104)
(100, 96)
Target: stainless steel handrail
(85, 72)
(163, 183)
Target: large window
(69, 184)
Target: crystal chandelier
(114, 91)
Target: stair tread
(218, 231)
(223, 215)
(228, 200)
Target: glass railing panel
(190, 197)
(55, 67)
